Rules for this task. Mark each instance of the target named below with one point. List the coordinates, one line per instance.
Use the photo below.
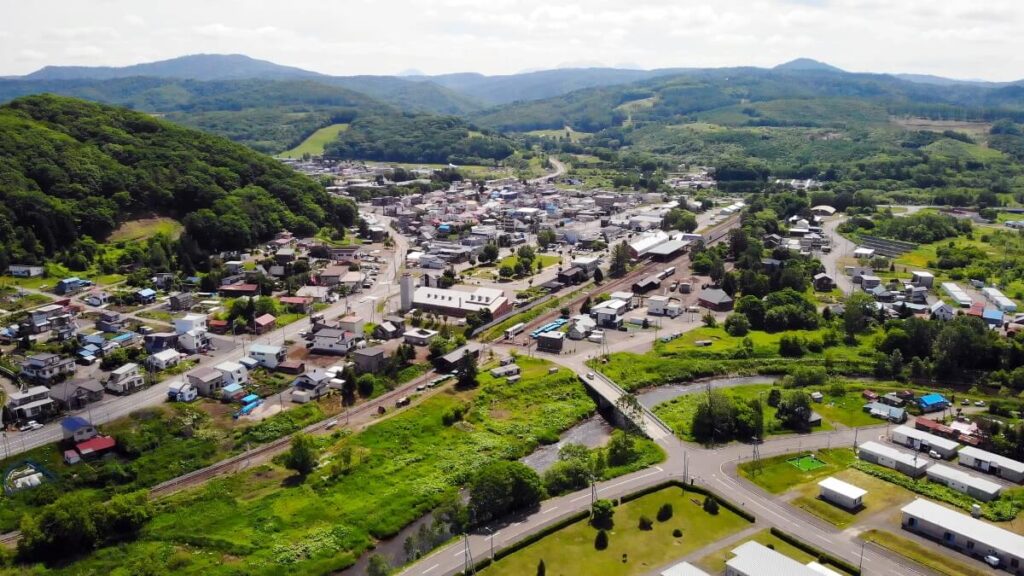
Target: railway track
(711, 237)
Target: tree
(753, 308)
(621, 449)
(365, 384)
(601, 540)
(774, 397)
(620, 260)
(507, 271)
(467, 372)
(489, 252)
(585, 306)
(545, 238)
(665, 512)
(60, 530)
(794, 411)
(710, 505)
(737, 325)
(645, 523)
(679, 219)
(717, 271)
(378, 566)
(598, 276)
(302, 458)
(857, 314)
(502, 487)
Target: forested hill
(70, 169)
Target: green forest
(71, 171)
(418, 138)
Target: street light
(491, 538)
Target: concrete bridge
(609, 395)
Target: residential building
(47, 367)
(663, 306)
(841, 493)
(125, 379)
(933, 403)
(164, 359)
(923, 441)
(334, 341)
(823, 282)
(70, 286)
(268, 356)
(181, 301)
(160, 341)
(941, 311)
(453, 359)
(581, 326)
(24, 271)
(207, 381)
(265, 323)
(32, 404)
(965, 534)
(76, 394)
(239, 290)
(314, 384)
(609, 313)
(298, 304)
(77, 429)
(990, 463)
(369, 360)
(145, 296)
(922, 278)
(194, 341)
(973, 486)
(351, 323)
(190, 322)
(110, 322)
(912, 465)
(233, 373)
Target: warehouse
(957, 294)
(1001, 466)
(909, 464)
(999, 299)
(965, 534)
(977, 488)
(668, 250)
(842, 494)
(921, 440)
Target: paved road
(559, 170)
(842, 251)
(363, 304)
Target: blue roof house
(78, 429)
(932, 403)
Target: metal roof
(683, 569)
(966, 526)
(984, 456)
(755, 559)
(950, 474)
(932, 440)
(873, 447)
(842, 488)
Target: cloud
(948, 37)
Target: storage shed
(910, 464)
(973, 486)
(921, 440)
(1001, 466)
(841, 493)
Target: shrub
(601, 540)
(601, 513)
(710, 505)
(645, 523)
(541, 569)
(665, 512)
(677, 533)
(792, 346)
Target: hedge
(822, 556)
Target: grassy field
(776, 475)
(922, 555)
(630, 550)
(573, 135)
(314, 144)
(142, 228)
(681, 360)
(261, 521)
(881, 496)
(490, 271)
(977, 130)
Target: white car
(935, 455)
(979, 403)
(590, 375)
(992, 560)
(30, 426)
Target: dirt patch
(499, 414)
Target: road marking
(552, 509)
(429, 569)
(578, 498)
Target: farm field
(315, 142)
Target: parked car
(979, 403)
(965, 402)
(590, 375)
(30, 425)
(992, 560)
(935, 455)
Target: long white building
(965, 534)
(921, 440)
(973, 486)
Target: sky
(959, 39)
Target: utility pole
(467, 556)
(756, 457)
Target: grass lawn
(315, 142)
(489, 271)
(573, 135)
(142, 228)
(160, 315)
(570, 551)
(286, 319)
(922, 555)
(881, 496)
(715, 562)
(777, 475)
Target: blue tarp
(250, 399)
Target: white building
(640, 246)
(233, 373)
(921, 440)
(755, 559)
(460, 302)
(267, 356)
(125, 379)
(864, 253)
(842, 493)
(965, 534)
(957, 294)
(909, 464)
(1001, 466)
(999, 300)
(683, 569)
(941, 311)
(977, 488)
(663, 306)
(610, 312)
(190, 322)
(164, 359)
